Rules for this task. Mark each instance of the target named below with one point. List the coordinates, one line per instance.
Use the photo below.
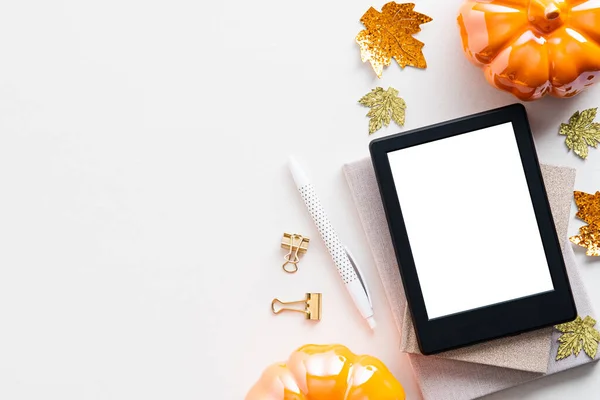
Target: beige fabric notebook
(484, 368)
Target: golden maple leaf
(577, 335)
(588, 206)
(581, 132)
(389, 34)
(589, 237)
(589, 211)
(385, 106)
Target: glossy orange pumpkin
(531, 48)
(327, 372)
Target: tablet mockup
(472, 230)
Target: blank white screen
(470, 221)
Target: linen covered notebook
(484, 368)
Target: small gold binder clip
(312, 306)
(295, 244)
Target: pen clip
(359, 274)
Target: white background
(145, 192)
(460, 214)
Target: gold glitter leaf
(589, 211)
(589, 237)
(389, 35)
(577, 335)
(588, 207)
(385, 106)
(581, 132)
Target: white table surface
(143, 149)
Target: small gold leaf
(385, 106)
(589, 211)
(581, 132)
(589, 237)
(576, 336)
(588, 207)
(388, 35)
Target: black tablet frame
(497, 320)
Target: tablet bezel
(497, 320)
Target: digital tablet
(472, 230)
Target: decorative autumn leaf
(577, 335)
(581, 132)
(589, 211)
(385, 106)
(589, 237)
(388, 35)
(588, 206)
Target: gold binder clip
(312, 306)
(296, 244)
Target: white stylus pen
(348, 269)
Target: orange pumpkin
(327, 372)
(531, 48)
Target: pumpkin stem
(547, 15)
